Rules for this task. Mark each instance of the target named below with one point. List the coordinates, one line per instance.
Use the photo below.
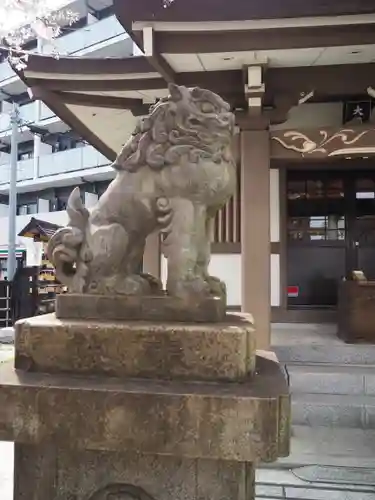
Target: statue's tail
(65, 248)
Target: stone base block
(219, 421)
(151, 308)
(46, 473)
(220, 351)
(105, 410)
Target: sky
(12, 17)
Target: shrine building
(300, 77)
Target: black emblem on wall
(358, 111)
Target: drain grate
(285, 491)
(336, 475)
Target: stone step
(342, 354)
(306, 482)
(332, 410)
(336, 446)
(320, 378)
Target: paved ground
(286, 485)
(305, 334)
(6, 352)
(6, 335)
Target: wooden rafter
(195, 42)
(129, 11)
(154, 58)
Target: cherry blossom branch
(25, 20)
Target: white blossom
(25, 20)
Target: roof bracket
(255, 88)
(154, 58)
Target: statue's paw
(135, 285)
(120, 285)
(63, 254)
(216, 286)
(189, 289)
(156, 286)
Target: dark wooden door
(331, 232)
(363, 224)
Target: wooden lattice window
(227, 226)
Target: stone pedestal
(111, 411)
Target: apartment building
(53, 159)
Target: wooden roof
(39, 230)
(299, 46)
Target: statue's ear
(175, 92)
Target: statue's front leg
(181, 248)
(216, 286)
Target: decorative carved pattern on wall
(356, 141)
(120, 491)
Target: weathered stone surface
(223, 421)
(268, 369)
(173, 405)
(173, 175)
(149, 308)
(92, 475)
(222, 351)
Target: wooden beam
(154, 58)
(254, 89)
(326, 81)
(112, 67)
(101, 101)
(194, 11)
(195, 42)
(222, 81)
(55, 103)
(248, 121)
(131, 84)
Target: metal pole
(12, 217)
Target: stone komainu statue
(173, 175)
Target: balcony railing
(6, 72)
(25, 170)
(27, 115)
(45, 112)
(63, 162)
(89, 36)
(70, 161)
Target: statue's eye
(207, 107)
(194, 121)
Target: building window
(104, 13)
(316, 207)
(26, 156)
(317, 228)
(22, 99)
(66, 142)
(27, 209)
(315, 189)
(61, 204)
(26, 150)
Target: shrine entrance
(330, 233)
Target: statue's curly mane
(188, 123)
